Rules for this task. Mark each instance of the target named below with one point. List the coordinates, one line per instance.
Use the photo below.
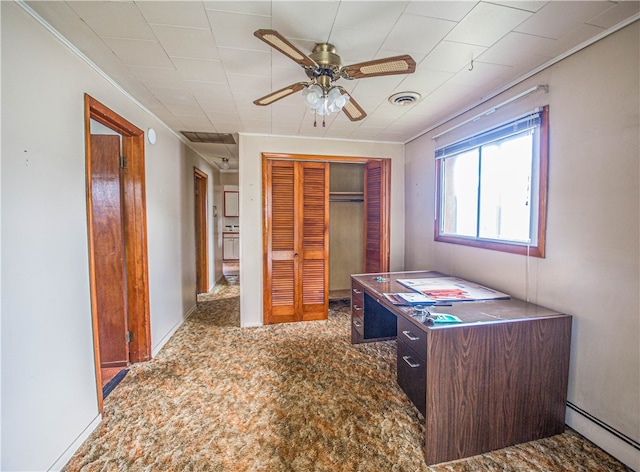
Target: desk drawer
(413, 337)
(357, 322)
(357, 296)
(412, 376)
(357, 313)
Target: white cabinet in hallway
(230, 246)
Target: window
(492, 187)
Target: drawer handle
(357, 324)
(357, 307)
(356, 291)
(411, 336)
(408, 360)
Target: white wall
(48, 380)
(591, 269)
(251, 148)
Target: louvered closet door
(313, 276)
(296, 241)
(376, 223)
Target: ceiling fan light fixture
(324, 102)
(313, 95)
(323, 67)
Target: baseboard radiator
(615, 442)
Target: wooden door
(377, 191)
(200, 183)
(109, 250)
(296, 278)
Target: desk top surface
(469, 312)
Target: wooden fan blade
(279, 42)
(278, 94)
(387, 66)
(353, 111)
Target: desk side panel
(492, 386)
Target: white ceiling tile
(380, 16)
(618, 13)
(389, 111)
(283, 130)
(152, 47)
(226, 108)
(424, 81)
(224, 127)
(289, 112)
(281, 77)
(200, 70)
(186, 42)
(423, 108)
(196, 123)
(338, 133)
(573, 39)
(364, 132)
(453, 11)
(210, 105)
(254, 112)
(368, 102)
(140, 53)
(235, 30)
(378, 86)
(449, 56)
(208, 91)
(356, 45)
(155, 77)
(248, 85)
(556, 19)
(114, 19)
(516, 48)
(480, 73)
(239, 61)
(486, 24)
(528, 5)
(64, 19)
(111, 64)
(257, 126)
(182, 101)
(188, 14)
(251, 7)
(310, 20)
(220, 115)
(420, 34)
(246, 99)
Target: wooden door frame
(202, 231)
(386, 206)
(135, 233)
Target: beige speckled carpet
(289, 397)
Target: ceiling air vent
(212, 138)
(402, 99)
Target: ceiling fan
(324, 67)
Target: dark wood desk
(497, 379)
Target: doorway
(200, 188)
(116, 224)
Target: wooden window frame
(537, 250)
